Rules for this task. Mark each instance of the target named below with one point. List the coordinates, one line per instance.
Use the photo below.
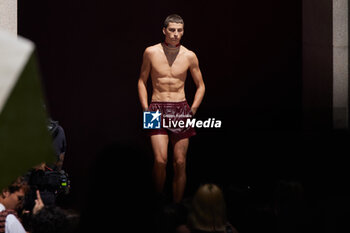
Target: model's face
(13, 200)
(173, 33)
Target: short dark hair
(49, 219)
(17, 185)
(173, 18)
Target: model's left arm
(198, 80)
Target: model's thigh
(180, 149)
(160, 147)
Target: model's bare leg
(160, 150)
(179, 182)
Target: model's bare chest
(170, 64)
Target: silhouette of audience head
(208, 211)
(49, 219)
(288, 198)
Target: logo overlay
(151, 120)
(154, 120)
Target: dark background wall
(317, 64)
(250, 55)
(90, 54)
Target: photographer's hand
(39, 204)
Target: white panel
(8, 16)
(14, 54)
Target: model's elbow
(141, 83)
(203, 88)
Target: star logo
(155, 115)
(151, 120)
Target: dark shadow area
(250, 55)
(120, 195)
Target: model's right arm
(142, 83)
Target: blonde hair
(208, 208)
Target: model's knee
(160, 162)
(180, 163)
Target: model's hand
(193, 110)
(39, 204)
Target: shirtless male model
(168, 63)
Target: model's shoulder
(188, 53)
(152, 49)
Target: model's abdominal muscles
(168, 89)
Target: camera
(50, 184)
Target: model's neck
(170, 46)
